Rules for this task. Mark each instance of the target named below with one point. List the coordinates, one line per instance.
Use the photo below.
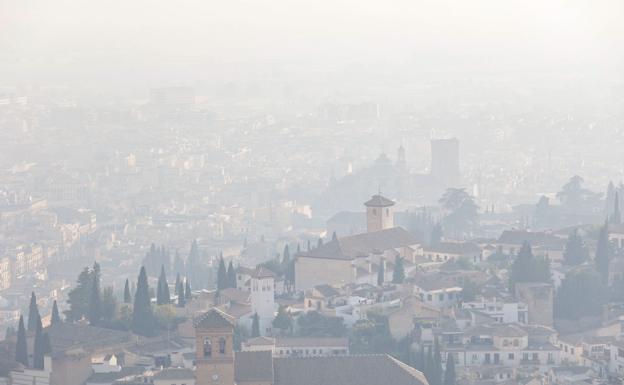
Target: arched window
(374, 211)
(222, 345)
(207, 347)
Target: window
(207, 347)
(222, 345)
(515, 341)
(441, 297)
(511, 356)
(487, 358)
(535, 357)
(387, 211)
(505, 342)
(429, 297)
(496, 358)
(374, 211)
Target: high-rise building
(445, 162)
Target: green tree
(95, 299)
(187, 289)
(109, 304)
(528, 268)
(315, 324)
(575, 251)
(55, 318)
(38, 349)
(283, 321)
(381, 273)
(398, 275)
(372, 335)
(34, 319)
(255, 326)
(436, 234)
(163, 295)
(127, 295)
(222, 281)
(469, 291)
(461, 211)
(181, 294)
(449, 373)
(142, 316)
(231, 275)
(616, 217)
(437, 364)
(581, 294)
(21, 348)
(603, 253)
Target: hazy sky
(77, 41)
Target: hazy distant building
(539, 298)
(172, 96)
(445, 161)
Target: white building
(263, 298)
(502, 311)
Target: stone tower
(214, 356)
(379, 213)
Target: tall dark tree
(575, 251)
(603, 253)
(449, 373)
(55, 319)
(255, 326)
(178, 264)
(429, 367)
(222, 280)
(21, 349)
(177, 285)
(109, 304)
(38, 349)
(461, 211)
(95, 301)
(79, 296)
(34, 319)
(283, 321)
(187, 289)
(437, 364)
(616, 217)
(231, 275)
(127, 295)
(398, 275)
(285, 258)
(581, 294)
(436, 234)
(142, 316)
(381, 273)
(181, 293)
(163, 296)
(47, 345)
(528, 268)
(334, 236)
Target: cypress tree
(575, 252)
(398, 275)
(181, 294)
(38, 349)
(334, 237)
(127, 295)
(142, 316)
(255, 326)
(449, 373)
(177, 285)
(34, 319)
(78, 297)
(163, 296)
(222, 280)
(437, 361)
(95, 302)
(381, 273)
(21, 349)
(55, 319)
(187, 289)
(616, 217)
(231, 275)
(603, 253)
(285, 258)
(47, 345)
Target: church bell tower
(379, 213)
(214, 357)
